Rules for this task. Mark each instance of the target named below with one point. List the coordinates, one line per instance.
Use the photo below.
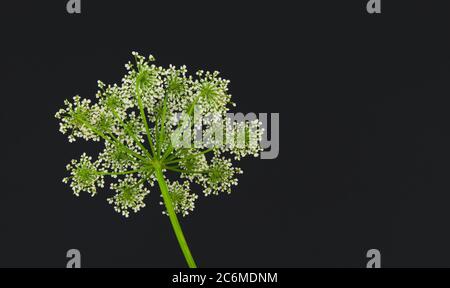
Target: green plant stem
(162, 127)
(184, 171)
(173, 218)
(144, 119)
(188, 157)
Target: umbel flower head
(158, 122)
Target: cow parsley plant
(158, 122)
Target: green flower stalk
(159, 122)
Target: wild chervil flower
(159, 122)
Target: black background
(364, 138)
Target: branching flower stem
(131, 134)
(162, 183)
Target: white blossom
(84, 175)
(182, 200)
(130, 195)
(138, 121)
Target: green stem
(144, 119)
(173, 218)
(130, 133)
(162, 127)
(189, 157)
(174, 155)
(171, 168)
(119, 173)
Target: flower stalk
(173, 218)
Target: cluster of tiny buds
(130, 195)
(183, 200)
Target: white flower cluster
(116, 158)
(116, 98)
(220, 176)
(182, 200)
(130, 195)
(74, 118)
(213, 92)
(192, 162)
(137, 121)
(246, 136)
(84, 175)
(238, 138)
